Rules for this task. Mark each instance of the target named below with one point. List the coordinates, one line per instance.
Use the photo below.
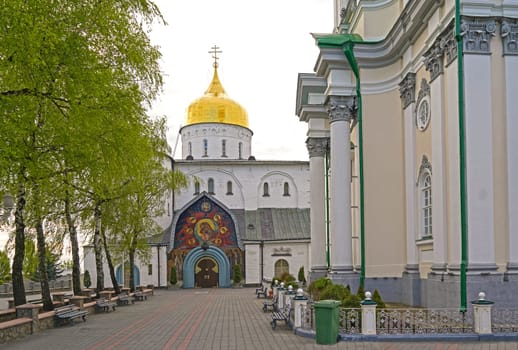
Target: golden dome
(216, 107)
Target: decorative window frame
(423, 106)
(280, 267)
(211, 186)
(424, 186)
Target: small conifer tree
(86, 279)
(237, 273)
(173, 278)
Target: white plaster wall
(247, 183)
(299, 257)
(253, 263)
(214, 133)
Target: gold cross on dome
(214, 51)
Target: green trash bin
(326, 319)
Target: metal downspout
(462, 160)
(349, 54)
(328, 258)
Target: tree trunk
(19, 249)
(132, 270)
(42, 267)
(98, 249)
(115, 283)
(76, 272)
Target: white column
(509, 31)
(407, 91)
(317, 148)
(340, 109)
(439, 204)
(479, 146)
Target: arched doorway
(123, 274)
(199, 255)
(206, 273)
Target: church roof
(216, 107)
(273, 224)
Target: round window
(423, 114)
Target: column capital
(509, 33)
(341, 108)
(476, 34)
(317, 146)
(407, 90)
(433, 60)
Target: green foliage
(317, 286)
(236, 273)
(5, 274)
(54, 270)
(301, 276)
(351, 301)
(30, 260)
(377, 298)
(360, 292)
(87, 281)
(334, 292)
(173, 278)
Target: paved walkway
(204, 319)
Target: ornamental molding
(341, 108)
(509, 34)
(476, 34)
(433, 60)
(448, 43)
(422, 110)
(317, 146)
(282, 251)
(425, 167)
(407, 90)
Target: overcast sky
(265, 45)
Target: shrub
(301, 276)
(173, 278)
(351, 301)
(237, 273)
(334, 292)
(361, 292)
(317, 286)
(86, 279)
(377, 298)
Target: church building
(237, 210)
(412, 122)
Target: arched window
(229, 188)
(286, 189)
(211, 186)
(223, 148)
(266, 190)
(189, 146)
(240, 151)
(196, 188)
(281, 267)
(205, 148)
(425, 198)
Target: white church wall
(247, 183)
(253, 263)
(295, 253)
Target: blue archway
(211, 252)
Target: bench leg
(274, 324)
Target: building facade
(413, 125)
(236, 210)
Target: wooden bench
(69, 313)
(281, 315)
(104, 305)
(273, 304)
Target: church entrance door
(206, 273)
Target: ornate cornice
(476, 33)
(509, 33)
(341, 108)
(407, 90)
(317, 146)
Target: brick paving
(204, 319)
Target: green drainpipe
(462, 160)
(328, 260)
(346, 42)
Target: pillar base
(317, 273)
(346, 278)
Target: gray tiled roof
(274, 224)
